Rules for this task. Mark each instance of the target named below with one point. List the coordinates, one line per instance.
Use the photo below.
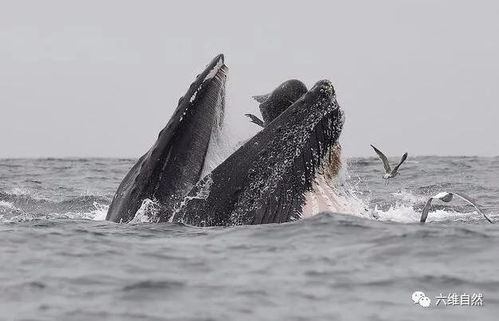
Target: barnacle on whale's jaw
(326, 88)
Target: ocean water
(61, 261)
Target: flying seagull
(447, 197)
(254, 119)
(389, 173)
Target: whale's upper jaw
(175, 162)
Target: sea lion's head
(274, 104)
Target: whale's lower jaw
(174, 164)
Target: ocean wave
(20, 205)
(7, 205)
(154, 285)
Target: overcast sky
(101, 78)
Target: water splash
(21, 191)
(147, 213)
(100, 212)
(6, 205)
(225, 140)
(349, 198)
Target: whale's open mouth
(265, 181)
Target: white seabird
(389, 172)
(447, 197)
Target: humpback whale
(265, 180)
(172, 166)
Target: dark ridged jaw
(167, 172)
(216, 71)
(201, 121)
(329, 154)
(265, 181)
(313, 126)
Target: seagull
(389, 173)
(447, 197)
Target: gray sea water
(61, 261)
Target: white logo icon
(425, 302)
(421, 298)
